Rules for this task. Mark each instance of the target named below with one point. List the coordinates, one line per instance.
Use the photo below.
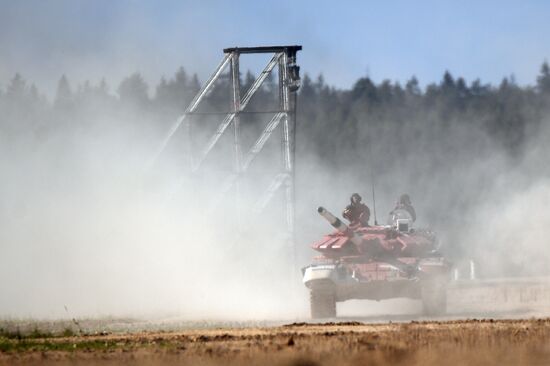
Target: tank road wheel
(323, 304)
(434, 297)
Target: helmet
(405, 199)
(356, 196)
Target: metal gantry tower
(284, 57)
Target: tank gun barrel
(340, 226)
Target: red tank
(376, 263)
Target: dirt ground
(458, 342)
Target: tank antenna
(374, 200)
(372, 182)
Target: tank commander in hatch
(356, 212)
(404, 203)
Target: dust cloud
(88, 230)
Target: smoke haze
(84, 224)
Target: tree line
(330, 116)
(437, 142)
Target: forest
(327, 116)
(454, 145)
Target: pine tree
(543, 80)
(63, 95)
(17, 87)
(133, 90)
(412, 87)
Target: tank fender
(320, 274)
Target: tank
(376, 263)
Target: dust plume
(85, 226)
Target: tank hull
(374, 280)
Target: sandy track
(488, 342)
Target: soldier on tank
(356, 212)
(404, 203)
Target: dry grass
(471, 342)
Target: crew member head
(355, 198)
(405, 199)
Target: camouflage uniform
(404, 203)
(356, 212)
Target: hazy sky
(42, 39)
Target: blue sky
(42, 39)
